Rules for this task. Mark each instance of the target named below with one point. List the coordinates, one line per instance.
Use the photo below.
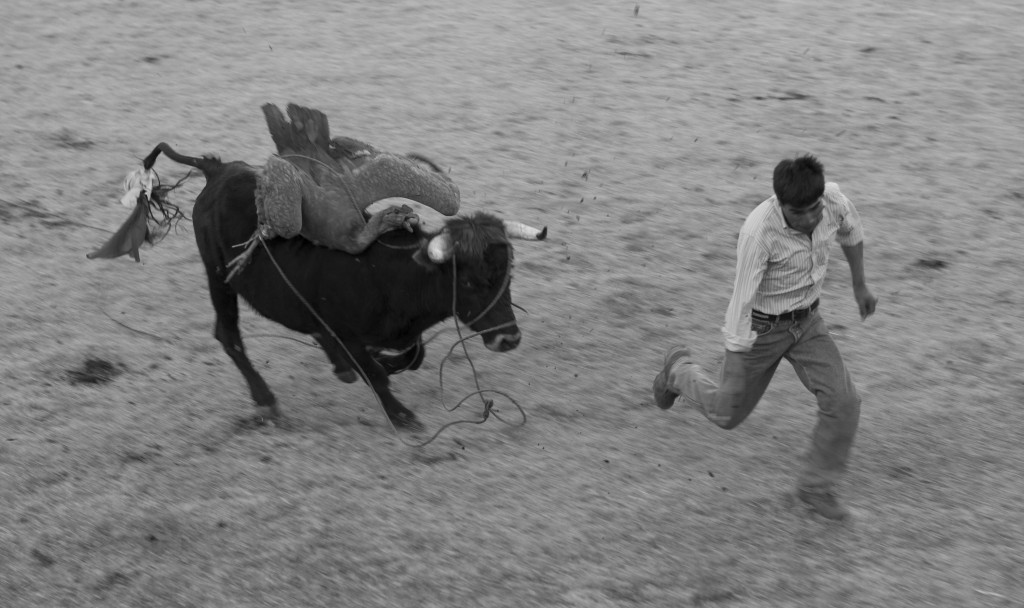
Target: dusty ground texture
(641, 138)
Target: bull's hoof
(257, 421)
(266, 414)
(417, 360)
(406, 421)
(348, 376)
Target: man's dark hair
(799, 182)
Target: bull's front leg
(377, 377)
(225, 304)
(337, 356)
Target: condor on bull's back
(353, 305)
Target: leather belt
(793, 315)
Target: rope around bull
(487, 403)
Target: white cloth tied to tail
(137, 182)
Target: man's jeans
(807, 345)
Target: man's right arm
(751, 262)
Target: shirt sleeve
(850, 231)
(751, 262)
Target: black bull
(353, 305)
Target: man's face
(804, 219)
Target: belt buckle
(803, 313)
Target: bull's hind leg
(337, 356)
(225, 304)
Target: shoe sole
(667, 397)
(673, 355)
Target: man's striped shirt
(779, 269)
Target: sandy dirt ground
(641, 134)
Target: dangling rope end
(241, 260)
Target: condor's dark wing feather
(308, 133)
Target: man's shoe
(824, 504)
(663, 395)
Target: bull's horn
(439, 249)
(519, 230)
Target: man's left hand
(866, 301)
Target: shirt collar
(782, 224)
(780, 219)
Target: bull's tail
(154, 215)
(207, 164)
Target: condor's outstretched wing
(361, 171)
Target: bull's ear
(439, 249)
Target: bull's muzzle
(503, 341)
